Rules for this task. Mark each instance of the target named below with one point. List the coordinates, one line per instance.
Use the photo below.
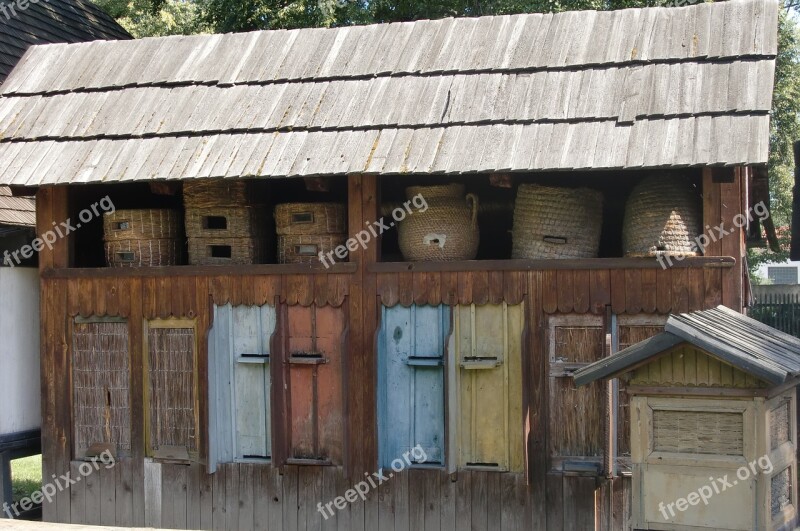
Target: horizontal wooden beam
(545, 265)
(201, 271)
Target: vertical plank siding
(267, 496)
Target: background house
(584, 99)
(52, 21)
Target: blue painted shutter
(411, 406)
(239, 384)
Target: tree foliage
(168, 17)
(146, 18)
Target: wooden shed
(253, 395)
(713, 422)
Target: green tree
(144, 18)
(784, 130)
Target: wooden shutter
(629, 330)
(411, 406)
(171, 394)
(312, 367)
(576, 414)
(239, 384)
(487, 341)
(101, 410)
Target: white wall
(762, 270)
(20, 400)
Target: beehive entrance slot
(220, 251)
(215, 223)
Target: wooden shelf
(388, 267)
(199, 271)
(529, 265)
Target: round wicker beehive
(447, 230)
(310, 218)
(554, 222)
(437, 191)
(662, 216)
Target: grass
(26, 476)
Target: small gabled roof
(751, 346)
(634, 88)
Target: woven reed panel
(780, 425)
(171, 387)
(698, 432)
(780, 491)
(100, 390)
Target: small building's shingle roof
(753, 347)
(16, 211)
(48, 21)
(637, 88)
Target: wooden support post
(6, 494)
(52, 208)
(722, 210)
(361, 440)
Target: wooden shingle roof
(51, 21)
(637, 88)
(753, 347)
(16, 211)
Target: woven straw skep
(447, 230)
(554, 222)
(662, 216)
(455, 190)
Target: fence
(778, 310)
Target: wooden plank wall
(238, 496)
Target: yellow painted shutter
(487, 384)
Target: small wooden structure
(257, 391)
(713, 423)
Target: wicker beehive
(143, 253)
(228, 235)
(554, 222)
(307, 229)
(447, 230)
(142, 238)
(227, 251)
(215, 193)
(224, 226)
(310, 218)
(144, 224)
(662, 216)
(305, 248)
